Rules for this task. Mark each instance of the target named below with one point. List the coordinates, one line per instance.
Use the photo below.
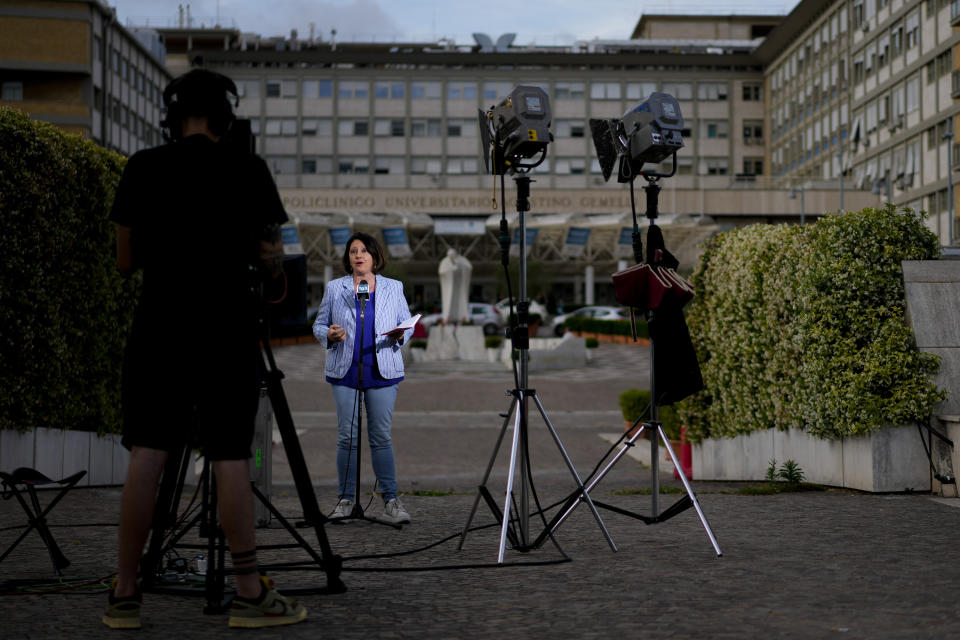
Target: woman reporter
(375, 372)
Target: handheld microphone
(363, 293)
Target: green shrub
(635, 403)
(804, 327)
(592, 343)
(64, 309)
(605, 327)
(492, 342)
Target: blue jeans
(379, 403)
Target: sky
(540, 22)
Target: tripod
(519, 536)
(657, 434)
(357, 512)
(171, 489)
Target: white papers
(409, 323)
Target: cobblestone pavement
(794, 565)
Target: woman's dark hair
(373, 248)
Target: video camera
(647, 134)
(516, 129)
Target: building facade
(868, 88)
(70, 63)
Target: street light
(803, 204)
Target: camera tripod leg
(486, 476)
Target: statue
(454, 273)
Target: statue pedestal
(455, 342)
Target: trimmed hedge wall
(606, 327)
(64, 309)
(804, 327)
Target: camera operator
(195, 215)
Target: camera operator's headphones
(199, 92)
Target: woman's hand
(336, 334)
(396, 334)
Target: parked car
(481, 313)
(596, 312)
(535, 307)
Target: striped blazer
(338, 307)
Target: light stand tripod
(171, 488)
(520, 536)
(654, 425)
(357, 513)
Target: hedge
(606, 327)
(804, 327)
(64, 309)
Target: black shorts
(208, 400)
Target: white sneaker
(394, 513)
(343, 509)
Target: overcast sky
(543, 22)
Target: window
(314, 89)
(281, 127)
(496, 90)
(896, 39)
(316, 127)
(355, 89)
(752, 92)
(347, 127)
(282, 165)
(714, 166)
(640, 90)
(752, 132)
(913, 93)
(461, 128)
(912, 28)
(568, 91)
(604, 90)
(354, 165)
(388, 165)
(321, 165)
(389, 91)
(457, 166)
(386, 127)
(711, 90)
(425, 128)
(571, 166)
(679, 90)
(11, 91)
(753, 166)
(425, 166)
(273, 88)
(883, 51)
(461, 91)
(425, 90)
(569, 128)
(714, 128)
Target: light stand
(519, 537)
(654, 425)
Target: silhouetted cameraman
(198, 217)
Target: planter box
(890, 460)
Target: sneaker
(394, 513)
(343, 509)
(270, 609)
(123, 613)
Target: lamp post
(803, 204)
(840, 163)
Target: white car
(596, 312)
(481, 313)
(535, 307)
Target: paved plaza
(795, 565)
